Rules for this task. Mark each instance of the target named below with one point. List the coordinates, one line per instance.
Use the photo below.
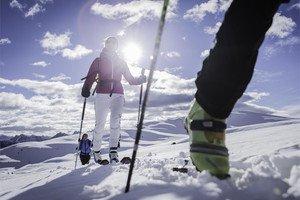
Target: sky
(48, 45)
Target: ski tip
(103, 162)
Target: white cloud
(212, 30)
(205, 53)
(37, 114)
(282, 44)
(4, 41)
(224, 4)
(16, 4)
(35, 9)
(290, 41)
(282, 26)
(198, 12)
(56, 106)
(78, 52)
(38, 87)
(173, 70)
(60, 77)
(270, 51)
(262, 76)
(53, 43)
(40, 63)
(295, 6)
(56, 43)
(248, 103)
(133, 11)
(256, 96)
(171, 54)
(38, 7)
(45, 1)
(292, 110)
(39, 76)
(12, 101)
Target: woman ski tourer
(225, 74)
(109, 69)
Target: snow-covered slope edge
(265, 164)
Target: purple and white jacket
(110, 69)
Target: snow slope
(264, 159)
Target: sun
(132, 53)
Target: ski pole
(152, 68)
(80, 130)
(141, 96)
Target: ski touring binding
(98, 159)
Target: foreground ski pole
(152, 68)
(80, 130)
(141, 97)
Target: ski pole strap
(208, 125)
(209, 149)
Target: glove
(85, 93)
(142, 79)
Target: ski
(103, 162)
(126, 160)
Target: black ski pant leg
(228, 69)
(84, 158)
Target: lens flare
(132, 53)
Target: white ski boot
(113, 155)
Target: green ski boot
(207, 142)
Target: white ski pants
(103, 104)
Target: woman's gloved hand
(85, 93)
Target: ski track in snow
(264, 159)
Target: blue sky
(54, 41)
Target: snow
(264, 159)
(294, 181)
(6, 159)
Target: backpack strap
(97, 77)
